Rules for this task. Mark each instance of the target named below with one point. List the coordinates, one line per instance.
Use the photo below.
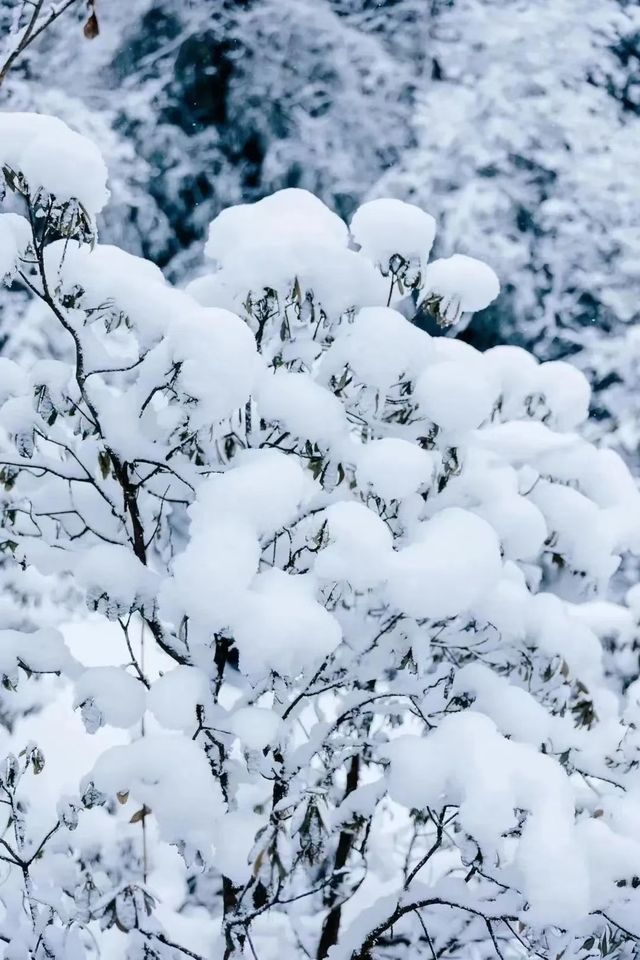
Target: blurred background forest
(516, 123)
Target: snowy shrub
(384, 709)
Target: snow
(234, 839)
(184, 806)
(462, 284)
(105, 277)
(174, 698)
(41, 651)
(15, 237)
(282, 628)
(519, 442)
(566, 391)
(218, 361)
(13, 381)
(519, 524)
(266, 488)
(358, 548)
(453, 563)
(554, 391)
(119, 698)
(255, 727)
(516, 713)
(467, 762)
(287, 237)
(516, 370)
(114, 573)
(53, 157)
(383, 228)
(288, 213)
(380, 347)
(580, 528)
(210, 576)
(301, 406)
(395, 468)
(455, 396)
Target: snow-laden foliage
(384, 708)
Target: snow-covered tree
(374, 701)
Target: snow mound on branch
(462, 284)
(384, 228)
(234, 839)
(255, 727)
(359, 545)
(212, 574)
(52, 157)
(170, 775)
(582, 533)
(395, 468)
(453, 563)
(519, 524)
(566, 391)
(554, 391)
(218, 361)
(266, 488)
(118, 697)
(174, 698)
(281, 627)
(456, 396)
(380, 346)
(287, 238)
(301, 406)
(290, 214)
(466, 761)
(115, 573)
(118, 283)
(43, 651)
